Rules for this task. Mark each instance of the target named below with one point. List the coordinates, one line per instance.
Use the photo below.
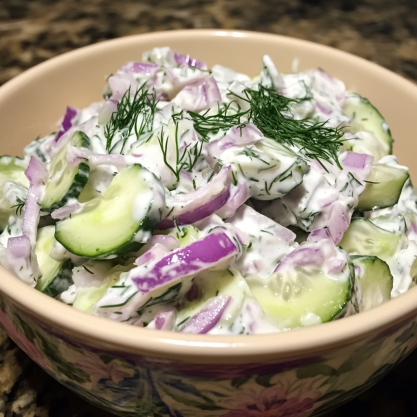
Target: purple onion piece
(356, 160)
(200, 203)
(318, 234)
(67, 122)
(200, 95)
(181, 59)
(37, 175)
(65, 211)
(198, 213)
(239, 194)
(323, 109)
(141, 68)
(165, 320)
(207, 317)
(20, 259)
(186, 261)
(76, 155)
(338, 222)
(247, 135)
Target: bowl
(137, 372)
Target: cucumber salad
(202, 200)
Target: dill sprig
(19, 206)
(126, 118)
(271, 113)
(185, 158)
(225, 119)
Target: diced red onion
(198, 213)
(37, 175)
(239, 194)
(189, 260)
(181, 59)
(198, 96)
(247, 135)
(67, 122)
(120, 83)
(65, 211)
(76, 155)
(318, 234)
(207, 317)
(21, 261)
(140, 68)
(323, 109)
(336, 265)
(357, 160)
(338, 221)
(200, 203)
(179, 80)
(165, 320)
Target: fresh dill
(271, 113)
(126, 119)
(185, 157)
(225, 118)
(19, 206)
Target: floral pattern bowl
(138, 372)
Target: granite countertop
(384, 31)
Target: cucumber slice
(87, 297)
(365, 238)
(65, 183)
(210, 284)
(55, 277)
(365, 117)
(374, 280)
(383, 187)
(11, 169)
(118, 222)
(298, 297)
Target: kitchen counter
(384, 31)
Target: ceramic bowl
(137, 372)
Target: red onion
(141, 68)
(198, 96)
(200, 203)
(76, 155)
(21, 261)
(67, 121)
(207, 317)
(165, 320)
(65, 211)
(37, 175)
(188, 61)
(189, 260)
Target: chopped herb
(122, 304)
(183, 321)
(90, 272)
(19, 206)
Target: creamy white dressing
(285, 189)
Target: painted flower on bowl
(273, 402)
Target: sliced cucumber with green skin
(87, 297)
(55, 277)
(11, 169)
(298, 297)
(383, 187)
(65, 183)
(118, 222)
(364, 116)
(374, 280)
(365, 238)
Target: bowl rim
(99, 332)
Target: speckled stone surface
(384, 31)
